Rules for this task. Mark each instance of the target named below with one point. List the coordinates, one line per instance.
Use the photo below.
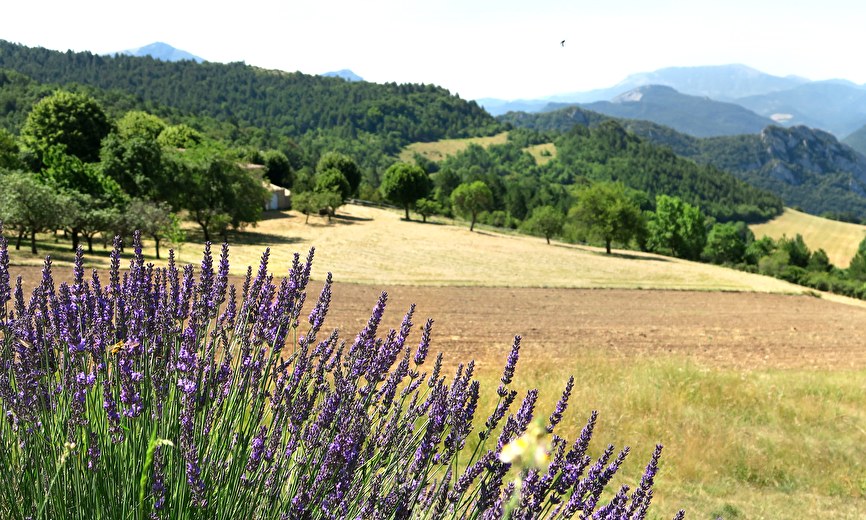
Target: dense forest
(819, 174)
(606, 153)
(267, 108)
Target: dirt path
(726, 330)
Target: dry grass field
(838, 239)
(439, 150)
(376, 246)
(536, 151)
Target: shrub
(159, 394)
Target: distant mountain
(346, 74)
(502, 106)
(161, 51)
(719, 82)
(697, 116)
(836, 106)
(806, 167)
(857, 140)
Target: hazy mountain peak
(719, 82)
(161, 51)
(346, 74)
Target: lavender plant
(164, 394)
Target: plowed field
(717, 329)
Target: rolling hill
(693, 115)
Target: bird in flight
(562, 43)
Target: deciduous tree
(217, 192)
(30, 206)
(608, 213)
(348, 167)
(677, 229)
(471, 199)
(74, 120)
(546, 221)
(403, 184)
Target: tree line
(77, 169)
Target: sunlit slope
(370, 245)
(439, 150)
(838, 239)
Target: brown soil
(724, 330)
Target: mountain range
(837, 106)
(161, 51)
(694, 115)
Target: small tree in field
(403, 184)
(30, 207)
(427, 207)
(608, 213)
(547, 221)
(471, 199)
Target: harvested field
(838, 239)
(717, 329)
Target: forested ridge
(268, 106)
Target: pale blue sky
(507, 49)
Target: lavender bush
(158, 395)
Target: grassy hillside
(438, 150)
(838, 239)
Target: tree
(608, 213)
(154, 219)
(819, 261)
(9, 152)
(471, 199)
(678, 228)
(305, 203)
(333, 181)
(217, 192)
(798, 251)
(403, 184)
(725, 244)
(346, 166)
(180, 136)
(279, 169)
(427, 207)
(857, 268)
(547, 221)
(136, 163)
(311, 202)
(30, 206)
(74, 120)
(136, 123)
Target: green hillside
(360, 118)
(806, 167)
(605, 153)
